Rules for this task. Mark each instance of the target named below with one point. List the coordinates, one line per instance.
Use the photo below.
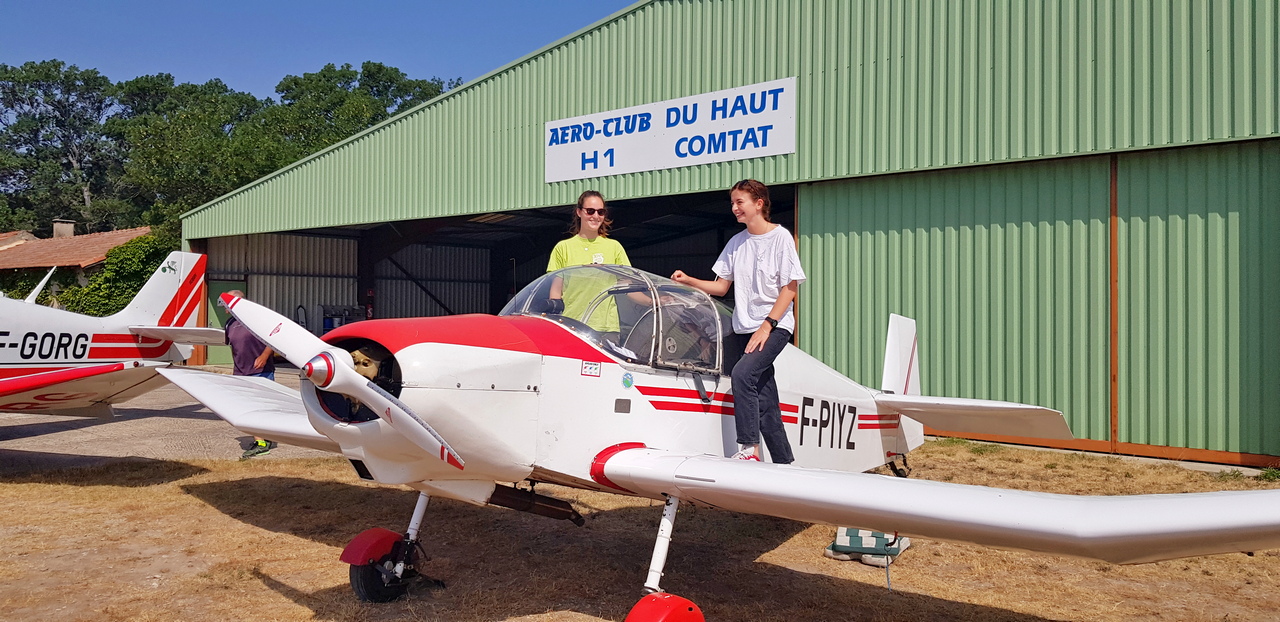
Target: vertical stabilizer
(901, 360)
(902, 371)
(171, 297)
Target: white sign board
(734, 124)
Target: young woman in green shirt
(590, 244)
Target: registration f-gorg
(458, 406)
(61, 363)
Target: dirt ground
(150, 516)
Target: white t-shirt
(759, 266)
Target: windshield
(634, 315)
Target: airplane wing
(966, 416)
(81, 391)
(1119, 529)
(254, 406)
(192, 335)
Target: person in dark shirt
(251, 357)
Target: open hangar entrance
(475, 263)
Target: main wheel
(369, 583)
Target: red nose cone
(319, 370)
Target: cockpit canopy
(631, 314)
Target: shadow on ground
(500, 564)
(34, 467)
(64, 424)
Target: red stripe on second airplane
(121, 338)
(130, 352)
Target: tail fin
(902, 372)
(901, 360)
(172, 296)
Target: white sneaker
(746, 454)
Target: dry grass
(213, 540)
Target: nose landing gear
(384, 562)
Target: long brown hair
(758, 191)
(576, 225)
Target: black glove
(549, 306)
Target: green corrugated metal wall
(1006, 270)
(1003, 267)
(884, 87)
(1200, 297)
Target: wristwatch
(772, 322)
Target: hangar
(1079, 202)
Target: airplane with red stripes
(630, 395)
(61, 363)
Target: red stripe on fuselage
(675, 392)
(130, 352)
(721, 397)
(123, 338)
(696, 407)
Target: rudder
(902, 371)
(901, 360)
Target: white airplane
(458, 406)
(62, 363)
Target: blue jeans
(269, 375)
(755, 393)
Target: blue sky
(252, 45)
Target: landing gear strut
(383, 561)
(656, 605)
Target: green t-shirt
(579, 251)
(579, 292)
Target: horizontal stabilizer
(966, 416)
(190, 335)
(1120, 529)
(253, 405)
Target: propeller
(330, 368)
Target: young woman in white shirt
(764, 266)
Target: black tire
(370, 587)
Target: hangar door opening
(466, 264)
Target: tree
(74, 145)
(189, 143)
(319, 109)
(55, 159)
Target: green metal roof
(882, 88)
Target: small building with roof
(13, 238)
(81, 255)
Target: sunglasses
(591, 211)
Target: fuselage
(526, 397)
